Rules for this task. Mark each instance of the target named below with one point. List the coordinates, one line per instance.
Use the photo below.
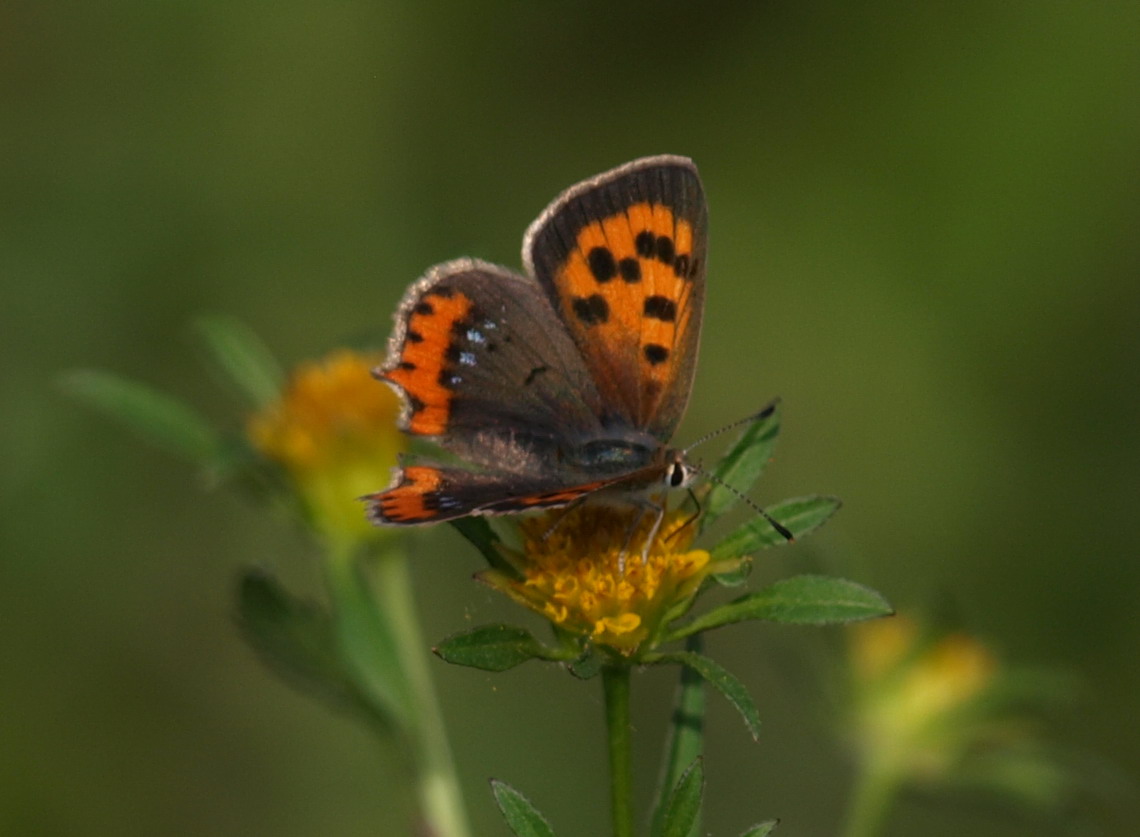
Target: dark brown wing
(487, 369)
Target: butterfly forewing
(622, 257)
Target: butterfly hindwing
(487, 369)
(622, 259)
(429, 493)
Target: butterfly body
(568, 382)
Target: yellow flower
(914, 695)
(588, 571)
(334, 431)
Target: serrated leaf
(246, 360)
(682, 808)
(491, 648)
(800, 600)
(762, 829)
(800, 515)
(722, 680)
(161, 419)
(523, 818)
(686, 732)
(745, 461)
(297, 640)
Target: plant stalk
(875, 790)
(615, 681)
(389, 587)
(440, 796)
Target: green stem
(686, 736)
(615, 681)
(413, 699)
(440, 793)
(874, 793)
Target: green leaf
(683, 806)
(296, 639)
(722, 680)
(801, 600)
(243, 357)
(163, 420)
(761, 829)
(801, 515)
(686, 732)
(492, 648)
(738, 471)
(519, 812)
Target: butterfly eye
(678, 475)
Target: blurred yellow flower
(914, 694)
(588, 571)
(334, 431)
(937, 709)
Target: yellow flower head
(914, 694)
(334, 431)
(584, 570)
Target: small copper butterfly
(565, 383)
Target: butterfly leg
(629, 540)
(659, 508)
(644, 506)
(692, 518)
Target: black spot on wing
(646, 244)
(682, 266)
(661, 308)
(534, 373)
(630, 270)
(591, 310)
(602, 264)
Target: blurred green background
(924, 237)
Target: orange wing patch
(625, 291)
(413, 500)
(421, 367)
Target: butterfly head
(679, 472)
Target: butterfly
(565, 383)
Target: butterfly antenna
(784, 531)
(755, 417)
